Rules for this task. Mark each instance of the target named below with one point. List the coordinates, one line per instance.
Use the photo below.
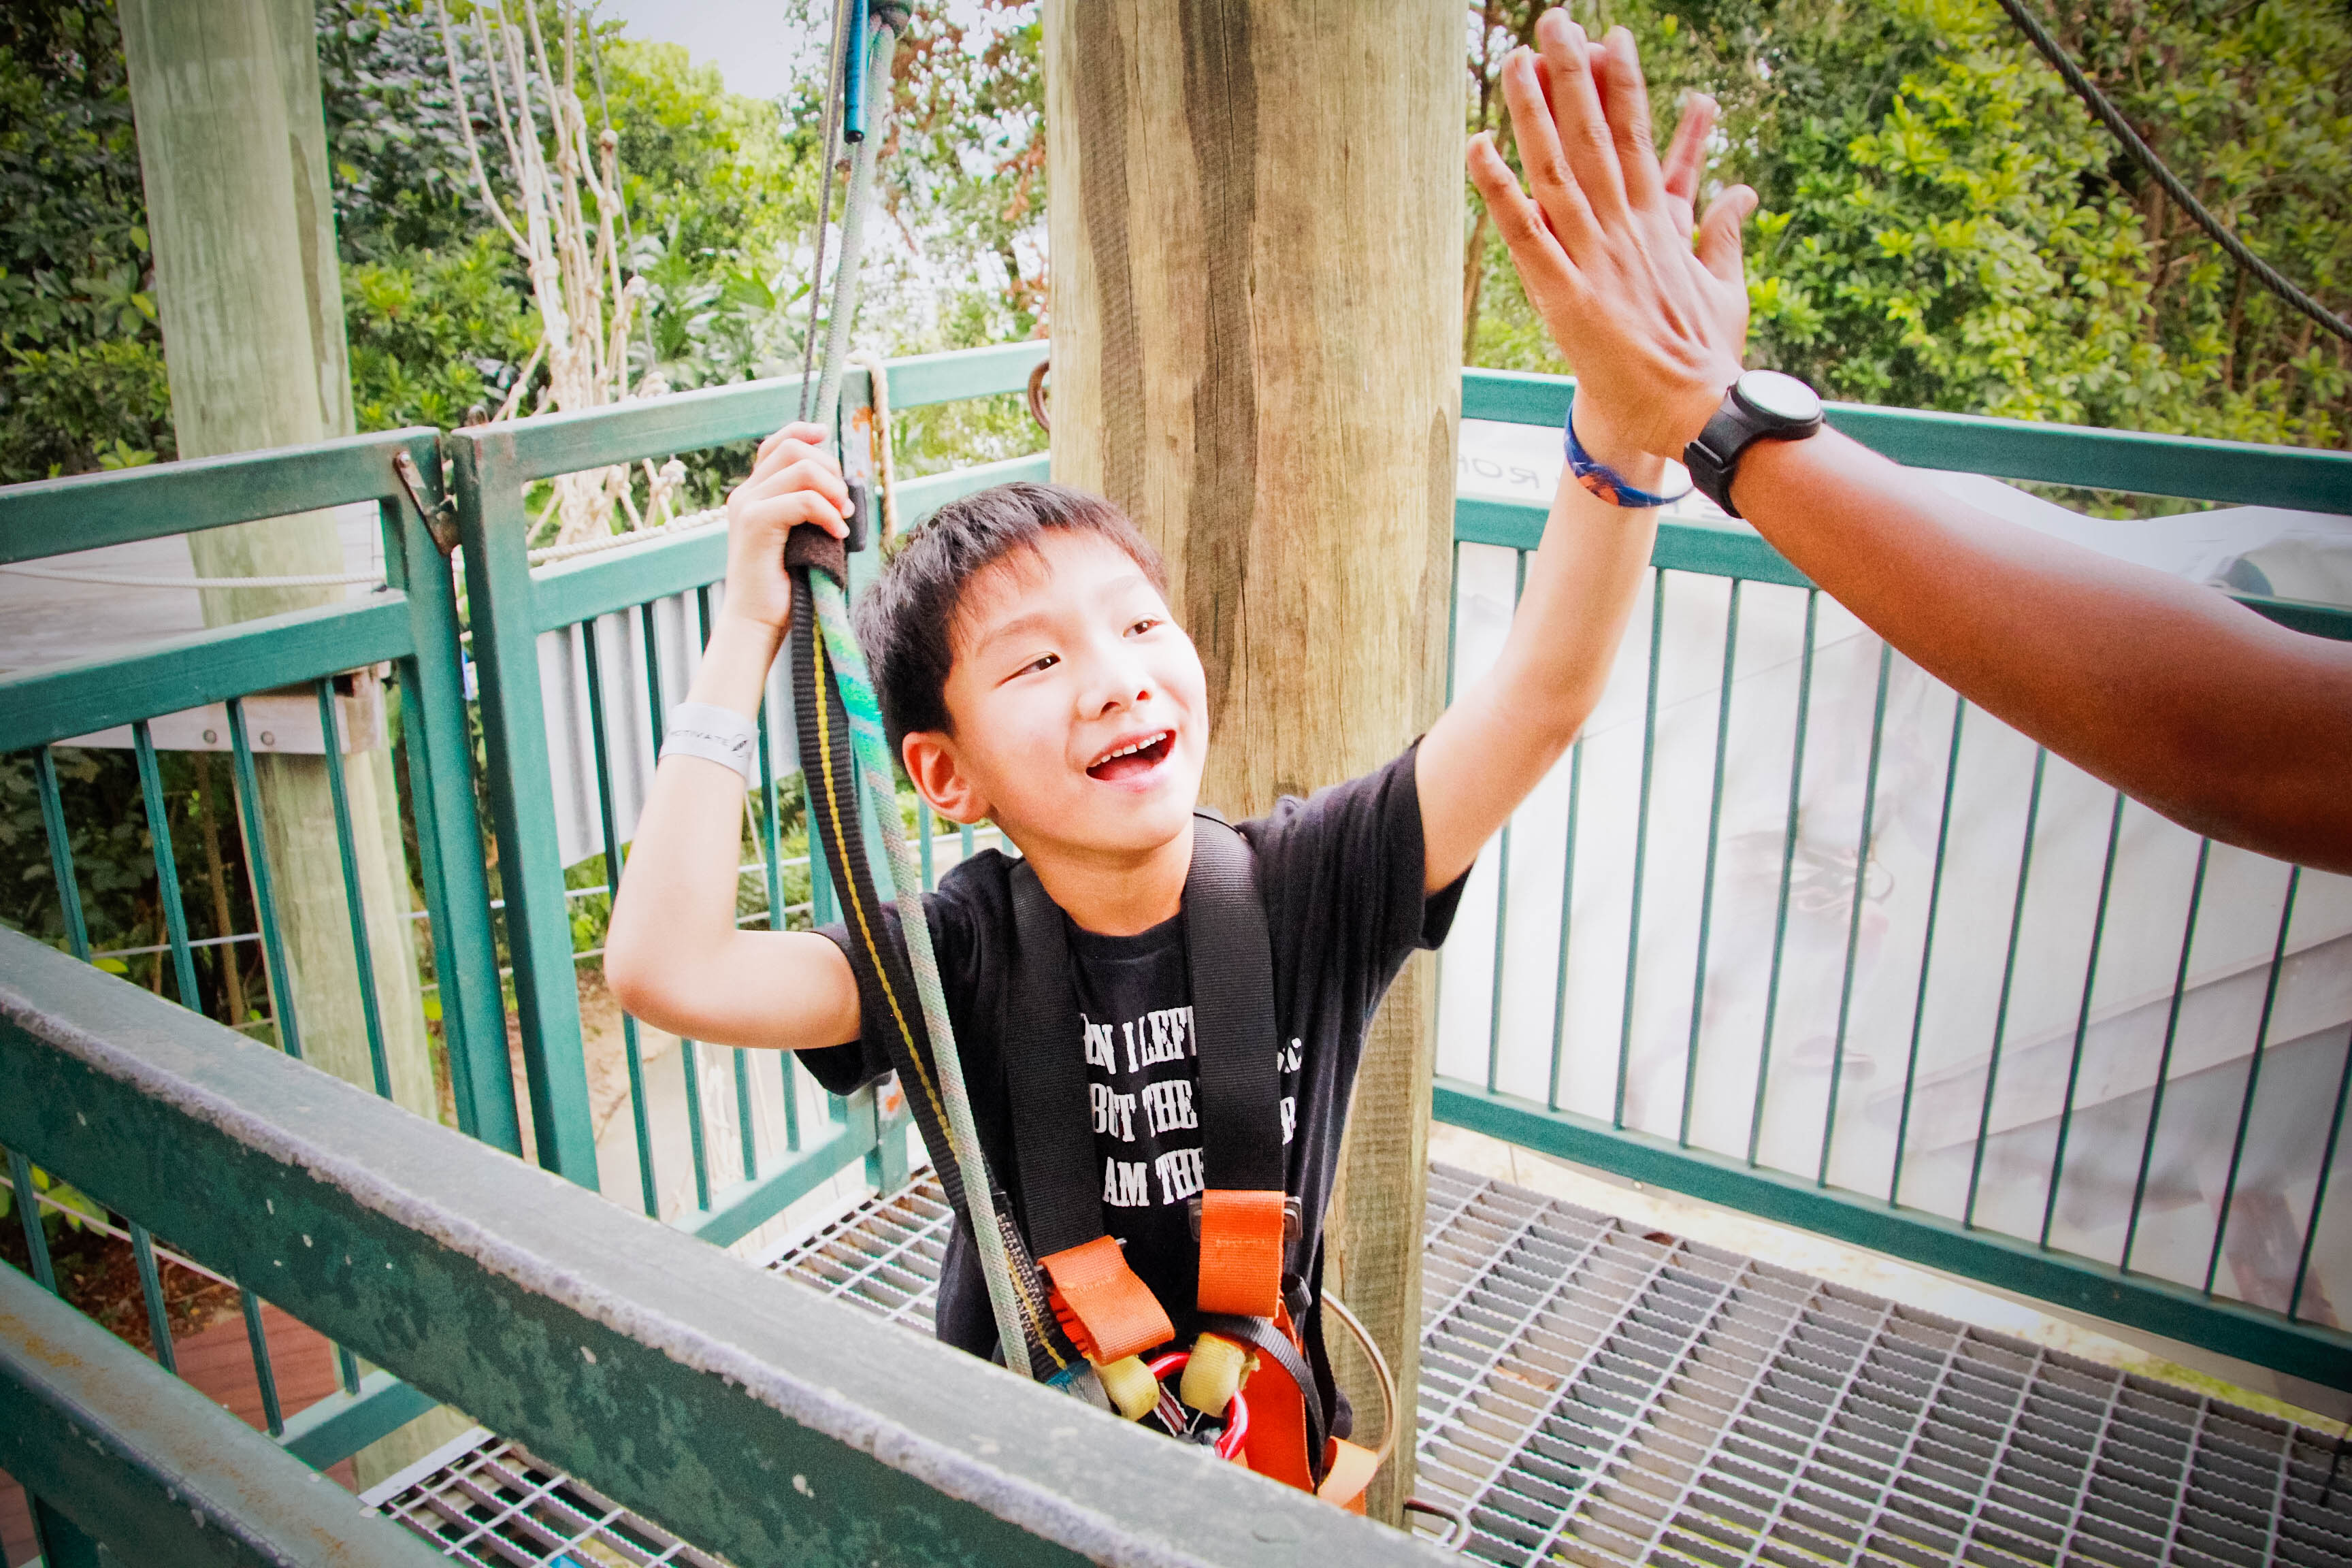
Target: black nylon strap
(1231, 962)
(1262, 1336)
(885, 982)
(1045, 1067)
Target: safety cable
(890, 20)
(841, 24)
(2145, 156)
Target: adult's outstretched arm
(2215, 717)
(2221, 719)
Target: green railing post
(62, 1543)
(265, 897)
(1854, 916)
(495, 529)
(28, 1215)
(2083, 1032)
(354, 903)
(167, 870)
(432, 731)
(631, 1050)
(61, 867)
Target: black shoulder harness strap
(1231, 964)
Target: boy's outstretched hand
(1603, 246)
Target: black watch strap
(1785, 410)
(1715, 456)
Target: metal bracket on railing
(441, 521)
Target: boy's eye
(1145, 625)
(1043, 661)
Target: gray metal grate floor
(485, 1500)
(1598, 1395)
(1590, 1393)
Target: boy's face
(1080, 711)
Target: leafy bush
(81, 360)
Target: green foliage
(438, 306)
(966, 172)
(111, 849)
(433, 334)
(1950, 240)
(965, 183)
(73, 1208)
(400, 176)
(113, 863)
(81, 360)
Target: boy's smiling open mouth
(1133, 757)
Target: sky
(753, 43)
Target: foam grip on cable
(1215, 1374)
(809, 545)
(1133, 1391)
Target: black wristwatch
(1761, 406)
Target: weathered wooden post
(233, 155)
(1256, 246)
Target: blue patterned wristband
(1605, 481)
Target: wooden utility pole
(233, 155)
(1257, 243)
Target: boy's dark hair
(906, 621)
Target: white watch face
(1777, 397)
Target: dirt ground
(98, 1274)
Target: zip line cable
(842, 21)
(2145, 156)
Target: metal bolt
(268, 738)
(212, 737)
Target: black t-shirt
(1340, 875)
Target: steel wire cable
(842, 15)
(2269, 277)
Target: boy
(1031, 673)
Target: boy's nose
(1118, 683)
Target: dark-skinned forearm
(2204, 710)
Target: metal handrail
(614, 1348)
(2194, 467)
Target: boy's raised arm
(1603, 246)
(674, 955)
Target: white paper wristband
(720, 735)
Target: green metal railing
(413, 625)
(420, 624)
(1548, 1077)
(1687, 1087)
(749, 1416)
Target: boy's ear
(936, 773)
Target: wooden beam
(232, 157)
(1256, 233)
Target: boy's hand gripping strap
(898, 976)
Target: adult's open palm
(1602, 239)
